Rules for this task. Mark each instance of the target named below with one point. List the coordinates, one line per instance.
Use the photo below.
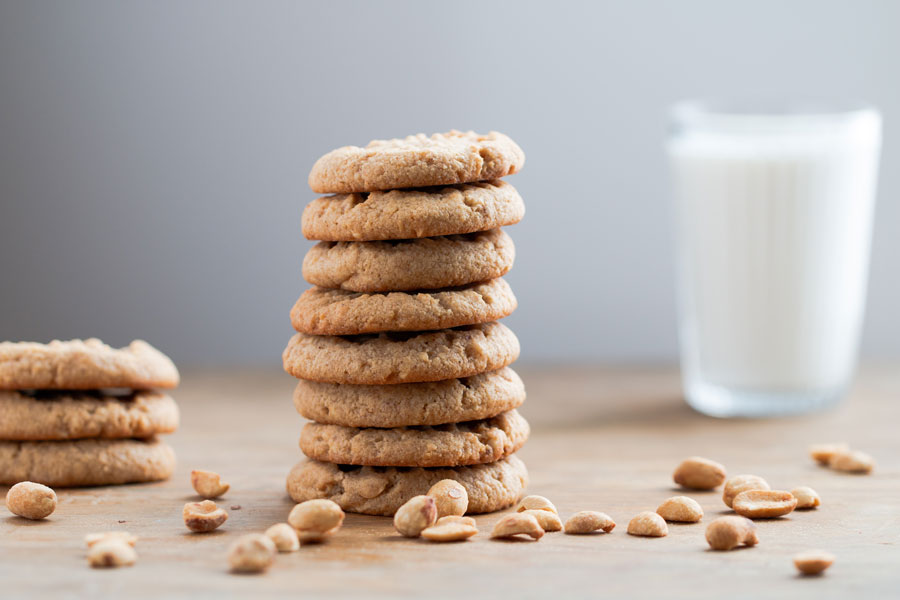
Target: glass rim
(770, 109)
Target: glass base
(724, 402)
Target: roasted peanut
(730, 532)
(314, 520)
(813, 562)
(699, 473)
(419, 513)
(806, 497)
(680, 509)
(851, 461)
(284, 537)
(111, 552)
(208, 484)
(517, 524)
(548, 521)
(122, 536)
(450, 497)
(536, 503)
(31, 500)
(252, 553)
(201, 517)
(451, 528)
(822, 453)
(764, 504)
(588, 521)
(742, 483)
(648, 524)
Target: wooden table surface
(603, 439)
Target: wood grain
(603, 439)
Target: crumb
(235, 507)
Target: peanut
(419, 513)
(680, 509)
(111, 552)
(806, 497)
(450, 497)
(813, 562)
(208, 484)
(122, 536)
(851, 461)
(699, 473)
(536, 503)
(742, 483)
(588, 521)
(547, 520)
(648, 524)
(314, 520)
(31, 500)
(730, 532)
(202, 517)
(822, 453)
(451, 528)
(517, 524)
(284, 537)
(764, 504)
(252, 553)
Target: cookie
(402, 265)
(74, 415)
(382, 490)
(416, 161)
(85, 462)
(416, 213)
(323, 311)
(82, 365)
(401, 357)
(450, 445)
(410, 404)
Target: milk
(774, 219)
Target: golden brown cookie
(410, 404)
(416, 161)
(74, 415)
(323, 311)
(83, 365)
(401, 357)
(401, 265)
(416, 213)
(85, 462)
(450, 445)
(382, 490)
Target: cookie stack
(80, 413)
(402, 362)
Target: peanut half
(648, 524)
(111, 552)
(741, 483)
(208, 484)
(730, 532)
(699, 473)
(813, 562)
(284, 537)
(419, 513)
(450, 497)
(451, 528)
(252, 553)
(822, 453)
(764, 504)
(314, 520)
(201, 517)
(852, 461)
(536, 503)
(548, 521)
(680, 509)
(517, 524)
(31, 500)
(588, 521)
(806, 497)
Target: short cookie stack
(403, 366)
(80, 413)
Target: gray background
(153, 155)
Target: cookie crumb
(235, 507)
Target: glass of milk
(774, 222)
